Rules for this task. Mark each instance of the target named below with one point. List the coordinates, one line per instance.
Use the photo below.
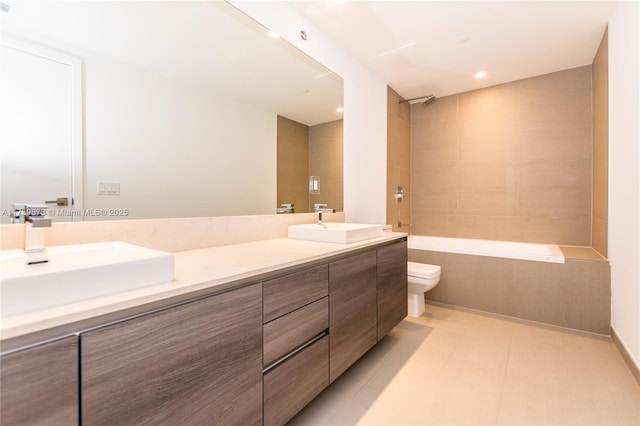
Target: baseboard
(522, 320)
(635, 370)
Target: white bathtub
(506, 249)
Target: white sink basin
(78, 272)
(332, 232)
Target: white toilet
(422, 277)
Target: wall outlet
(108, 188)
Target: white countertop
(196, 271)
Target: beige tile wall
(398, 152)
(575, 294)
(293, 164)
(305, 151)
(326, 162)
(599, 227)
(508, 162)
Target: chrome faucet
(36, 214)
(35, 219)
(322, 208)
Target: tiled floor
(455, 367)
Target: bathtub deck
(581, 253)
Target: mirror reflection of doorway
(40, 129)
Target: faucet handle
(37, 215)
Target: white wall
(175, 150)
(624, 179)
(365, 103)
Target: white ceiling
(436, 47)
(417, 47)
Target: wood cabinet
(293, 384)
(296, 346)
(197, 363)
(284, 294)
(392, 286)
(252, 355)
(352, 310)
(289, 332)
(39, 385)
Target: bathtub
(533, 282)
(504, 249)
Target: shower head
(426, 100)
(429, 100)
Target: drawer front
(283, 335)
(285, 294)
(39, 385)
(293, 384)
(392, 287)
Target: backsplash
(170, 235)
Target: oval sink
(78, 272)
(333, 232)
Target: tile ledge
(581, 253)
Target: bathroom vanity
(252, 344)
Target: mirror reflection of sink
(78, 272)
(332, 232)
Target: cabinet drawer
(293, 384)
(283, 335)
(39, 385)
(285, 294)
(184, 365)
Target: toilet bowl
(421, 278)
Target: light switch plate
(108, 188)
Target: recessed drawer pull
(295, 351)
(285, 334)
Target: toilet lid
(422, 270)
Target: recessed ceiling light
(273, 35)
(481, 74)
(340, 109)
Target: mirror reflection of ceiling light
(340, 109)
(326, 74)
(481, 74)
(397, 49)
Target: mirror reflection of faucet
(317, 208)
(286, 208)
(400, 224)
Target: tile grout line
(504, 379)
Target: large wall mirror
(137, 109)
